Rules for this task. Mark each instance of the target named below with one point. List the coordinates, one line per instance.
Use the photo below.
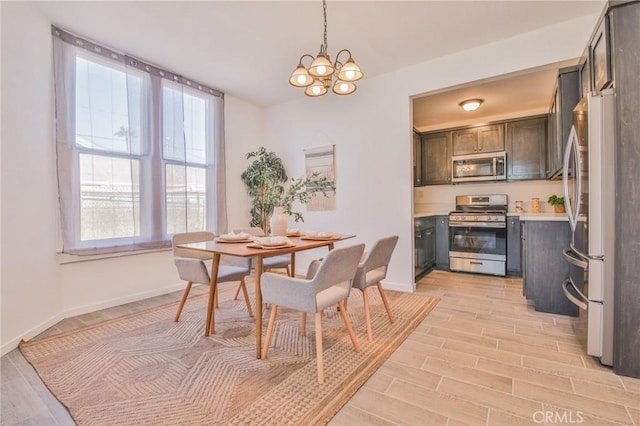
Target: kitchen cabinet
(544, 267)
(418, 175)
(442, 242)
(478, 139)
(436, 151)
(526, 141)
(513, 246)
(600, 57)
(425, 244)
(565, 98)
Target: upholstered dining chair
(195, 266)
(373, 269)
(330, 285)
(275, 262)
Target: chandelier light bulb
(344, 87)
(315, 89)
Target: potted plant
(557, 203)
(270, 188)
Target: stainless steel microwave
(479, 167)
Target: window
(140, 151)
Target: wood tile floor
(482, 357)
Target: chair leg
(319, 358)
(246, 297)
(386, 302)
(235, 296)
(347, 323)
(215, 301)
(267, 339)
(182, 301)
(367, 314)
(212, 324)
(303, 324)
(289, 271)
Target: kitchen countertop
(523, 216)
(540, 216)
(429, 214)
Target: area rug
(146, 369)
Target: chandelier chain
(324, 7)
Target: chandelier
(320, 75)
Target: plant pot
(278, 222)
(559, 208)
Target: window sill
(64, 258)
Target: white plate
(320, 235)
(241, 236)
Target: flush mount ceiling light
(320, 75)
(471, 104)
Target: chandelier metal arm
(306, 55)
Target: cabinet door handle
(476, 263)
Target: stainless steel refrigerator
(589, 191)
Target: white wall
(244, 133)
(31, 289)
(372, 133)
(37, 291)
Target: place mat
(267, 247)
(321, 238)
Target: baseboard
(13, 343)
(30, 334)
(403, 287)
(122, 300)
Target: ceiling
(249, 48)
(519, 95)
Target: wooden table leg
(293, 264)
(258, 268)
(213, 284)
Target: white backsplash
(442, 198)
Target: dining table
(248, 249)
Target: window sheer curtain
(140, 151)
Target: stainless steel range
(478, 234)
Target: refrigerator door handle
(574, 257)
(585, 256)
(580, 301)
(572, 210)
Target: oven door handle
(581, 300)
(477, 225)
